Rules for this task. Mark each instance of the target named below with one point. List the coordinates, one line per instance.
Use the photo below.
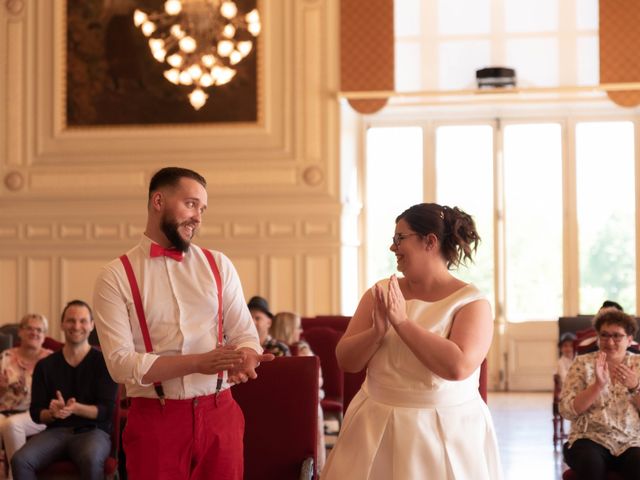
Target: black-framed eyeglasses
(616, 337)
(398, 237)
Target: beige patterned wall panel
(248, 269)
(9, 287)
(282, 283)
(40, 280)
(320, 274)
(312, 72)
(15, 90)
(78, 276)
(78, 195)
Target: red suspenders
(137, 300)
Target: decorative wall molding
(14, 181)
(93, 233)
(14, 7)
(72, 199)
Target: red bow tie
(158, 251)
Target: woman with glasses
(422, 338)
(600, 397)
(16, 370)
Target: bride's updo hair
(455, 230)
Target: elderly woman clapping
(599, 396)
(16, 370)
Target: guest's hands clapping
(59, 408)
(626, 376)
(602, 370)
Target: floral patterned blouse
(15, 379)
(612, 420)
(276, 347)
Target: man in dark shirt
(74, 396)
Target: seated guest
(74, 396)
(597, 396)
(263, 318)
(287, 328)
(567, 354)
(16, 370)
(611, 304)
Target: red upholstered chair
(52, 344)
(352, 383)
(323, 341)
(281, 419)
(337, 322)
(67, 469)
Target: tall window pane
(538, 16)
(533, 221)
(606, 214)
(535, 61)
(394, 183)
(463, 17)
(459, 60)
(464, 166)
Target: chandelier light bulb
(200, 44)
(175, 60)
(139, 17)
(177, 31)
(198, 98)
(173, 75)
(225, 47)
(185, 78)
(235, 57)
(148, 28)
(172, 7)
(253, 16)
(156, 44)
(206, 80)
(159, 54)
(208, 60)
(254, 28)
(229, 30)
(195, 71)
(245, 47)
(225, 75)
(228, 9)
(188, 44)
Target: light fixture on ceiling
(200, 41)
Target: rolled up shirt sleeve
(111, 315)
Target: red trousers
(195, 439)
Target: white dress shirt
(180, 302)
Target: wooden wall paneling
(40, 295)
(532, 355)
(78, 276)
(10, 305)
(282, 283)
(248, 268)
(320, 281)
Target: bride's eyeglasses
(398, 237)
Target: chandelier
(199, 41)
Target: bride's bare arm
(364, 334)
